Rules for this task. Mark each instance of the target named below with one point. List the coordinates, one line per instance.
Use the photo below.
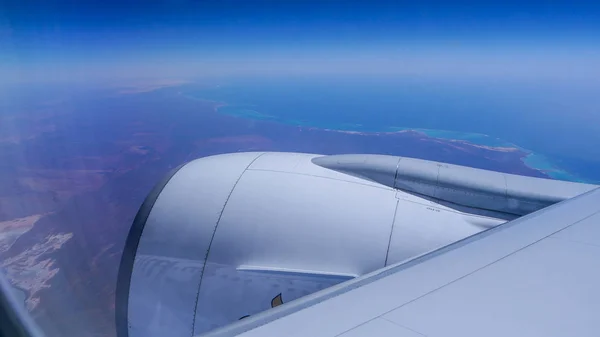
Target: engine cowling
(227, 236)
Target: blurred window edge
(15, 321)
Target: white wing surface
(538, 275)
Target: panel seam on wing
(487, 264)
(387, 253)
(396, 173)
(213, 237)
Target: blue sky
(63, 40)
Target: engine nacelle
(231, 235)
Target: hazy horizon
(532, 64)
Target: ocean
(499, 113)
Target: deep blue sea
(539, 117)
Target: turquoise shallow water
(475, 138)
(314, 108)
(542, 163)
(533, 160)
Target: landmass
(73, 178)
(11, 230)
(146, 86)
(31, 270)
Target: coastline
(531, 159)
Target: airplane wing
(538, 275)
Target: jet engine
(228, 236)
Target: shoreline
(532, 160)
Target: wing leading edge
(535, 276)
